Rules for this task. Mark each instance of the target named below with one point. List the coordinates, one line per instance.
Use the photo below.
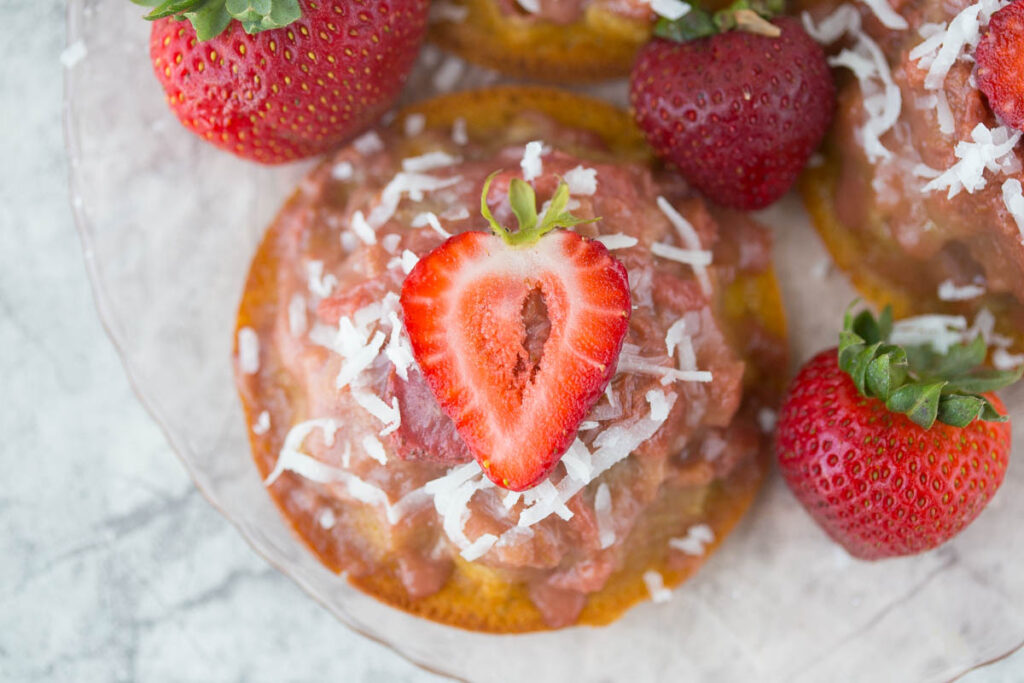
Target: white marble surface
(112, 567)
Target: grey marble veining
(112, 566)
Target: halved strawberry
(465, 306)
(1000, 58)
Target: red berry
(517, 340)
(1000, 58)
(738, 113)
(292, 92)
(878, 483)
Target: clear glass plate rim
(83, 228)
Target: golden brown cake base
(597, 47)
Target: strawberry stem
(918, 381)
(211, 17)
(523, 201)
(752, 16)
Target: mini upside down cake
(370, 450)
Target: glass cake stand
(168, 226)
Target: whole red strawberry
(893, 451)
(1000, 58)
(517, 375)
(738, 112)
(287, 82)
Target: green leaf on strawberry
(918, 381)
(211, 17)
(699, 23)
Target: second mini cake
(373, 474)
(919, 196)
(563, 41)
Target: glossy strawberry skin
(463, 305)
(739, 114)
(293, 92)
(877, 483)
(1000, 58)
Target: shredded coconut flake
(670, 9)
(456, 213)
(767, 419)
(362, 229)
(658, 403)
(342, 170)
(358, 353)
(604, 516)
(940, 331)
(1013, 198)
(414, 124)
(581, 180)
(1004, 360)
(689, 257)
(326, 519)
(459, 134)
(368, 143)
(886, 14)
(375, 449)
(409, 261)
(991, 149)
(426, 218)
(629, 362)
(697, 537)
(944, 114)
(479, 547)
(390, 416)
(689, 238)
(655, 583)
(577, 461)
(292, 459)
(399, 350)
(319, 285)
(428, 162)
(390, 242)
(262, 425)
(882, 98)
(617, 241)
(511, 498)
(943, 45)
(532, 164)
(448, 74)
(950, 291)
(248, 351)
(413, 184)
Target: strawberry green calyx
(918, 381)
(211, 17)
(753, 16)
(524, 205)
